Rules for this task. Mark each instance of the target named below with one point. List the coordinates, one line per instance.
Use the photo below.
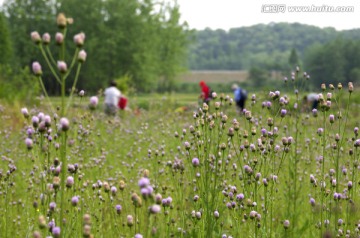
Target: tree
(293, 59)
(258, 76)
(5, 44)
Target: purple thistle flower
(29, 143)
(195, 162)
(154, 209)
(143, 182)
(356, 131)
(315, 112)
(52, 206)
(93, 102)
(113, 190)
(69, 181)
(320, 131)
(25, 112)
(312, 201)
(286, 224)
(138, 236)
(64, 124)
(56, 231)
(74, 200)
(240, 197)
(357, 143)
(118, 209)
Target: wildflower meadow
(278, 169)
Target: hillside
(260, 45)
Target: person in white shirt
(311, 101)
(112, 96)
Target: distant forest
(324, 52)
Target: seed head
(61, 20)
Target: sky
(226, 14)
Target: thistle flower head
(61, 20)
(36, 67)
(59, 38)
(93, 102)
(79, 39)
(46, 38)
(64, 124)
(62, 67)
(35, 37)
(25, 112)
(82, 56)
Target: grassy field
(154, 171)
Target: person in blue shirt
(240, 96)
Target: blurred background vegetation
(146, 48)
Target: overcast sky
(226, 14)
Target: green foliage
(123, 83)
(258, 76)
(5, 44)
(293, 59)
(18, 86)
(336, 61)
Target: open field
(275, 171)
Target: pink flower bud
(25, 112)
(64, 124)
(93, 102)
(29, 143)
(35, 37)
(79, 39)
(62, 66)
(36, 67)
(82, 56)
(46, 38)
(59, 38)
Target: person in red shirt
(205, 92)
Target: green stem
(63, 175)
(49, 64)
(46, 95)
(73, 87)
